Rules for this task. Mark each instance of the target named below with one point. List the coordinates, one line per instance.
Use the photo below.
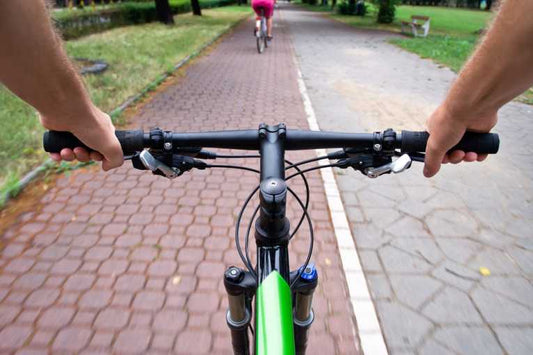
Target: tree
(164, 15)
(196, 10)
(386, 11)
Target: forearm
(33, 63)
(502, 66)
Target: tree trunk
(164, 15)
(196, 10)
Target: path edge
(368, 327)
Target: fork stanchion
(303, 291)
(240, 287)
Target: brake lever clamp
(396, 166)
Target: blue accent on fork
(310, 273)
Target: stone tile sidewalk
(126, 262)
(422, 242)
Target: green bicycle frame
(274, 325)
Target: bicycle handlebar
(407, 141)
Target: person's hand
(446, 130)
(96, 131)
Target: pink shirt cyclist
(268, 7)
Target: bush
(352, 8)
(386, 11)
(82, 23)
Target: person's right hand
(96, 131)
(446, 130)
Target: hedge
(82, 23)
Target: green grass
(448, 50)
(137, 55)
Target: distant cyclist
(268, 7)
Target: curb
(30, 176)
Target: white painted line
(368, 328)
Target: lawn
(136, 55)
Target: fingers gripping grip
(481, 143)
(54, 141)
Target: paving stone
(371, 199)
(397, 261)
(79, 282)
(516, 341)
(29, 281)
(113, 267)
(456, 275)
(54, 252)
(42, 298)
(13, 337)
(132, 341)
(493, 239)
(149, 300)
(129, 282)
(19, 266)
(56, 317)
(451, 223)
(95, 299)
(170, 321)
(379, 287)
(459, 250)
(523, 258)
(423, 247)
(112, 318)
(497, 309)
(496, 261)
(408, 227)
(8, 314)
(189, 342)
(414, 207)
(516, 288)
(413, 291)
(370, 261)
(381, 217)
(468, 340)
(431, 347)
(402, 327)
(65, 266)
(452, 306)
(162, 268)
(71, 339)
(370, 237)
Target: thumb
(434, 156)
(113, 156)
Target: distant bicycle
(261, 32)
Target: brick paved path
(422, 241)
(128, 262)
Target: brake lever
(396, 166)
(156, 166)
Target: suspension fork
(272, 238)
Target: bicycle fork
(241, 287)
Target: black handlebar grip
(54, 141)
(481, 143)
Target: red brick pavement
(129, 262)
